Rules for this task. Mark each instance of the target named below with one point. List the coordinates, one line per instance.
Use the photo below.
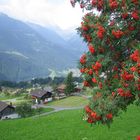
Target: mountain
(78, 44)
(28, 51)
(70, 41)
(49, 34)
(72, 38)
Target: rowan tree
(111, 29)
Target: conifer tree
(70, 86)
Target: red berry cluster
(83, 59)
(113, 4)
(91, 49)
(117, 34)
(100, 32)
(94, 117)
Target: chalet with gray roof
(6, 109)
(41, 95)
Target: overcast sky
(55, 12)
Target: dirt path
(56, 109)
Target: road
(56, 109)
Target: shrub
(24, 110)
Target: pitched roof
(38, 93)
(48, 88)
(62, 86)
(3, 105)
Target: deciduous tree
(111, 29)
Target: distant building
(61, 88)
(6, 110)
(41, 95)
(60, 92)
(78, 89)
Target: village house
(41, 96)
(61, 88)
(6, 110)
(48, 89)
(78, 87)
(60, 91)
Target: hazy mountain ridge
(31, 50)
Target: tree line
(37, 81)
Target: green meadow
(69, 125)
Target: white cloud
(44, 12)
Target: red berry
(94, 80)
(138, 138)
(93, 114)
(109, 116)
(89, 120)
(87, 109)
(91, 49)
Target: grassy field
(73, 101)
(15, 100)
(68, 125)
(5, 97)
